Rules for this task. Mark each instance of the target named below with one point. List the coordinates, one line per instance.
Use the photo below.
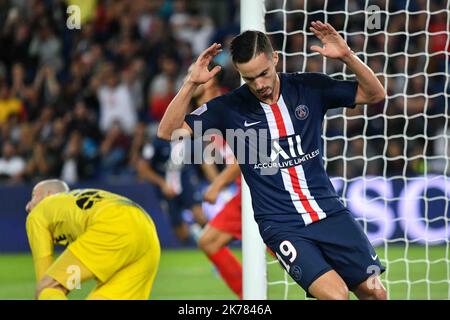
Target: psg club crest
(301, 112)
(296, 273)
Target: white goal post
(253, 249)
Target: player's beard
(265, 93)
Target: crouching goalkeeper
(108, 237)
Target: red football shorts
(229, 218)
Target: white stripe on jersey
(286, 117)
(274, 132)
(294, 196)
(305, 189)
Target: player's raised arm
(370, 89)
(174, 116)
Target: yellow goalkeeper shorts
(120, 249)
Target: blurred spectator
(78, 81)
(116, 103)
(58, 136)
(11, 129)
(362, 158)
(18, 87)
(44, 124)
(134, 77)
(46, 83)
(439, 39)
(395, 158)
(46, 46)
(140, 139)
(25, 141)
(9, 104)
(193, 28)
(85, 121)
(85, 40)
(11, 164)
(148, 17)
(441, 156)
(43, 164)
(164, 86)
(355, 158)
(87, 9)
(334, 162)
(416, 158)
(15, 39)
(162, 164)
(113, 150)
(76, 165)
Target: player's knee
(371, 289)
(379, 294)
(206, 243)
(334, 292)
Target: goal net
(389, 161)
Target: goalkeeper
(108, 237)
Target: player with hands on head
(299, 214)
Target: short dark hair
(219, 75)
(248, 45)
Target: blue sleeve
(335, 93)
(208, 116)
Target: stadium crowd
(83, 104)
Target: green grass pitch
(188, 274)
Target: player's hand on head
(199, 70)
(334, 46)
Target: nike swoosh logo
(246, 124)
(374, 257)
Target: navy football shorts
(337, 242)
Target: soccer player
(299, 214)
(178, 184)
(108, 237)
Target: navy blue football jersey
(279, 146)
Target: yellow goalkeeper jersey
(62, 218)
